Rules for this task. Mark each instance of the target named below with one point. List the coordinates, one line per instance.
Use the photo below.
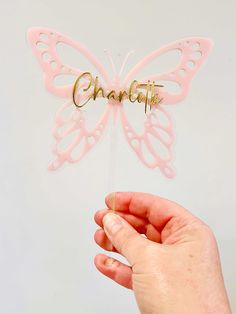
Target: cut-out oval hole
(41, 45)
(43, 37)
(196, 55)
(196, 46)
(46, 56)
(191, 64)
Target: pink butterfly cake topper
(116, 90)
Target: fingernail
(112, 223)
(113, 195)
(112, 200)
(110, 262)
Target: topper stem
(113, 158)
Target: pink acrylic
(44, 41)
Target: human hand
(174, 269)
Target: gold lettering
(147, 93)
(150, 97)
(112, 94)
(75, 88)
(122, 95)
(97, 90)
(133, 91)
(154, 99)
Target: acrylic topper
(153, 96)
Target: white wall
(46, 219)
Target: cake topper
(147, 92)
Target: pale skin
(174, 269)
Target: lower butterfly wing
(72, 138)
(154, 145)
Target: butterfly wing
(193, 51)
(73, 139)
(154, 145)
(70, 123)
(44, 43)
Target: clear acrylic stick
(113, 160)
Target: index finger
(157, 210)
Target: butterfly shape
(158, 127)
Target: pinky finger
(115, 270)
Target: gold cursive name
(149, 97)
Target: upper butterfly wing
(193, 52)
(70, 124)
(154, 145)
(44, 43)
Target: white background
(46, 219)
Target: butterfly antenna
(111, 61)
(125, 61)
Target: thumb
(124, 237)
